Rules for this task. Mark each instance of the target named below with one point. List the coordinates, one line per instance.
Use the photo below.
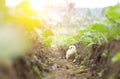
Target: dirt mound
(98, 59)
(30, 66)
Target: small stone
(55, 66)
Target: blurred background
(50, 21)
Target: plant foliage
(101, 32)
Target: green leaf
(99, 27)
(113, 13)
(82, 67)
(116, 58)
(37, 71)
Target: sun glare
(51, 9)
(12, 3)
(38, 4)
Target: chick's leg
(76, 56)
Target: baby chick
(71, 52)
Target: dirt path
(50, 63)
(97, 65)
(64, 69)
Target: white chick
(71, 52)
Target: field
(35, 48)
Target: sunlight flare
(38, 4)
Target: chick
(71, 52)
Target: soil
(93, 62)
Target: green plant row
(101, 32)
